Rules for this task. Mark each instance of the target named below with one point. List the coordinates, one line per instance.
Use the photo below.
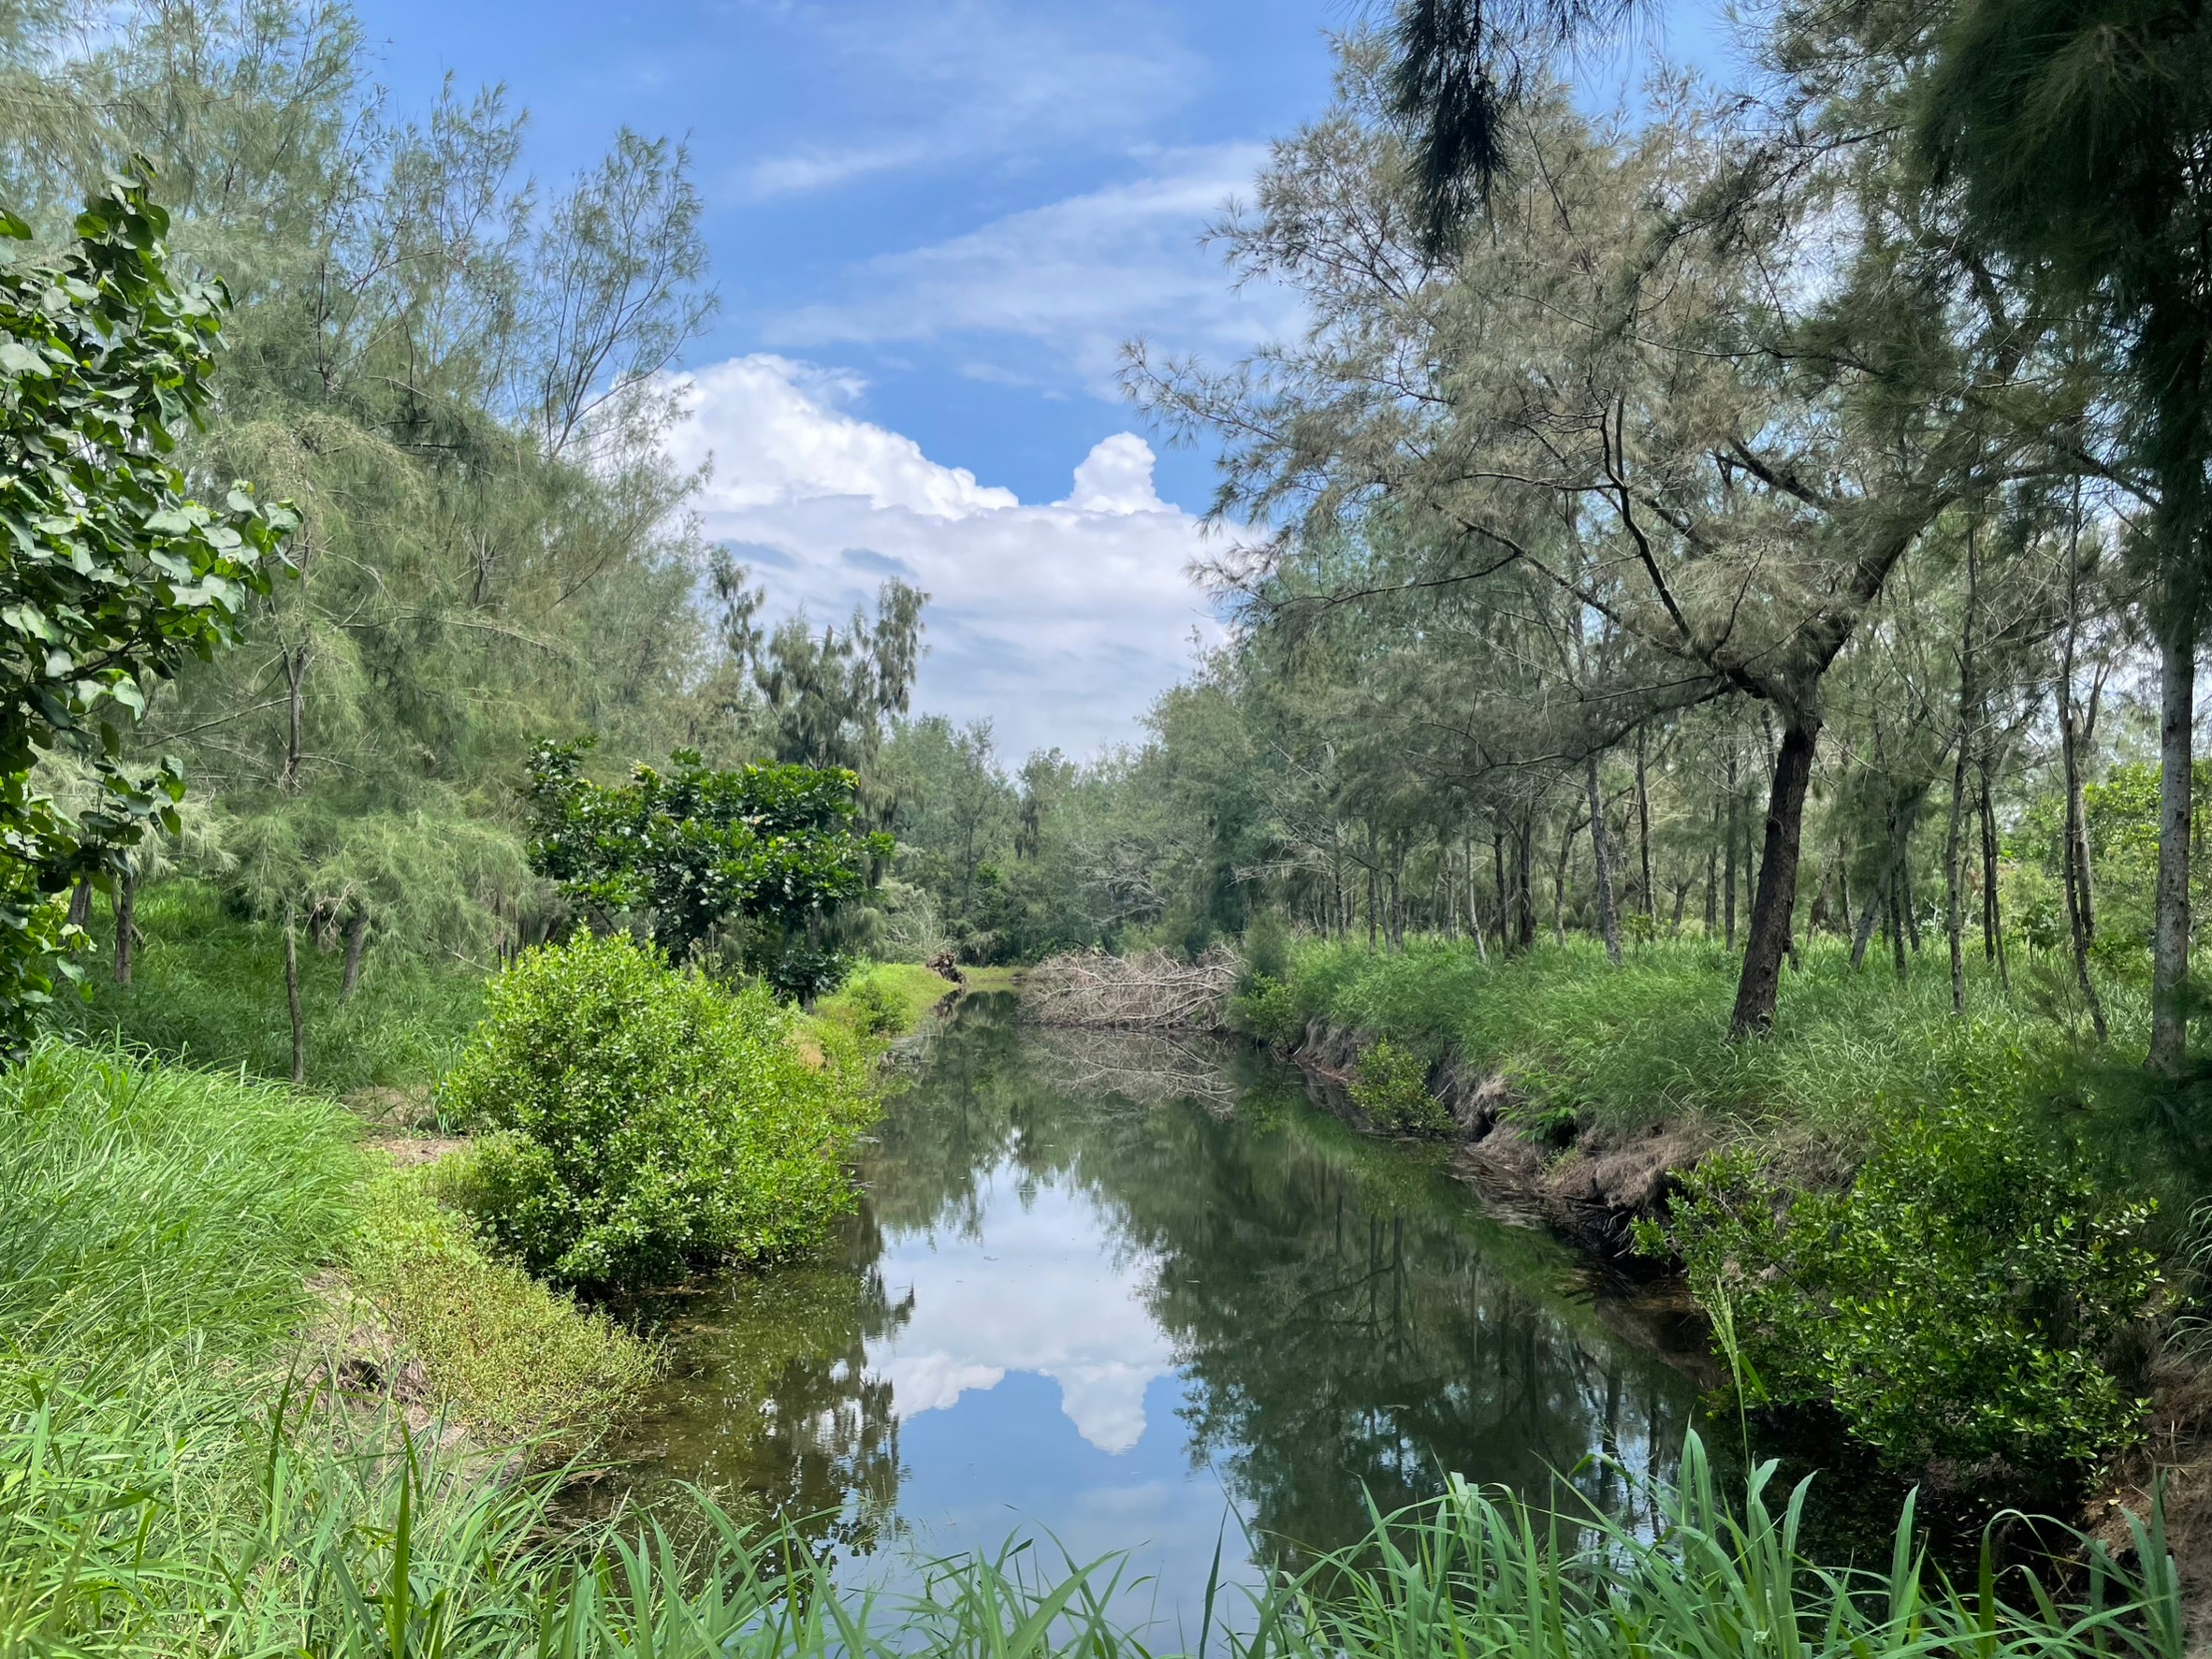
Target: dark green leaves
(110, 575)
(695, 851)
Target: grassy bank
(1648, 1041)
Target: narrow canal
(1128, 1297)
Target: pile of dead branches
(1148, 992)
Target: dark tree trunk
(80, 904)
(1729, 901)
(1643, 831)
(1497, 858)
(127, 925)
(1527, 879)
(1776, 900)
(1992, 900)
(1608, 920)
(356, 942)
(1843, 889)
(1954, 843)
(1863, 934)
(2169, 963)
(292, 1001)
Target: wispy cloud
(1077, 276)
(952, 85)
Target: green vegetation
(638, 1120)
(766, 852)
(1391, 1086)
(208, 987)
(504, 1357)
(115, 575)
(885, 999)
(1647, 1042)
(1964, 1299)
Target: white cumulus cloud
(1060, 621)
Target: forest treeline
(1732, 519)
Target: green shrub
(1391, 1086)
(1958, 1300)
(879, 1013)
(1267, 1011)
(507, 1357)
(640, 1121)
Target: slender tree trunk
(1843, 888)
(2169, 964)
(1559, 874)
(1713, 874)
(1863, 934)
(292, 1000)
(1992, 900)
(127, 925)
(1497, 859)
(295, 697)
(80, 903)
(1608, 921)
(1733, 815)
(1681, 897)
(356, 942)
(1954, 872)
(1373, 921)
(1898, 902)
(1527, 879)
(1643, 831)
(1776, 901)
(1474, 907)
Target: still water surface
(1144, 1298)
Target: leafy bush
(641, 1120)
(1266, 1009)
(1959, 1301)
(1392, 1087)
(505, 1354)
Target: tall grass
(207, 987)
(1647, 1040)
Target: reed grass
(1647, 1042)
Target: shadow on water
(1140, 1295)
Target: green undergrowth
(504, 1357)
(885, 1000)
(1647, 1042)
(207, 987)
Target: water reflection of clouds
(1041, 1286)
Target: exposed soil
(1592, 1191)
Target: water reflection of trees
(769, 1403)
(1352, 1325)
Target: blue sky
(932, 222)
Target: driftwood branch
(1150, 991)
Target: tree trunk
(2169, 965)
(292, 1000)
(1896, 919)
(1643, 833)
(1497, 859)
(1776, 897)
(1559, 871)
(1729, 900)
(1527, 879)
(1843, 887)
(80, 903)
(1474, 907)
(356, 942)
(295, 695)
(1992, 900)
(1608, 920)
(2075, 852)
(1954, 873)
(127, 925)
